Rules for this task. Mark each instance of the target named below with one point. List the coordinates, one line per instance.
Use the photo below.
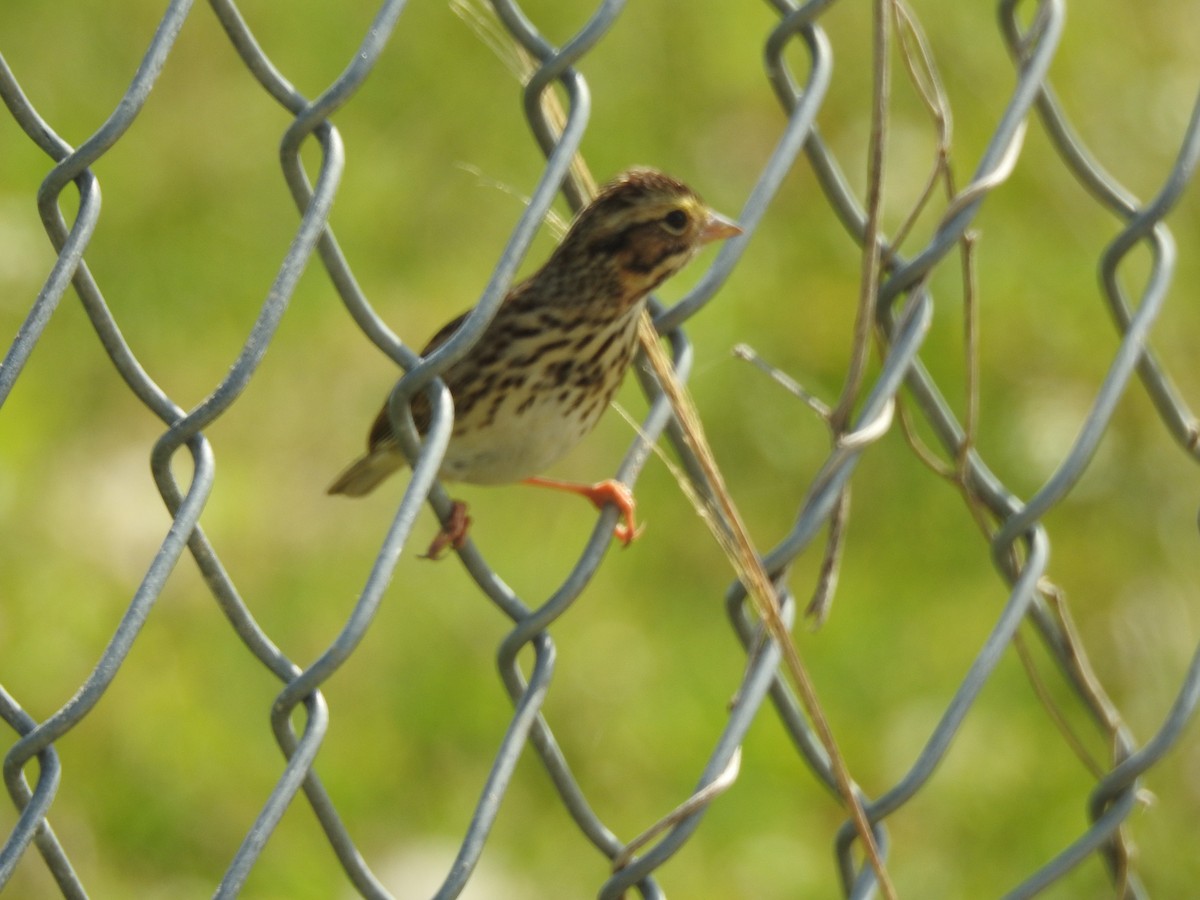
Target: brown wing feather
(381, 428)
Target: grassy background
(163, 780)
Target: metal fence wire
(891, 390)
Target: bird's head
(641, 229)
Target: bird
(555, 352)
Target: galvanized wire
(904, 307)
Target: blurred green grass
(162, 781)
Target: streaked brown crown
(640, 229)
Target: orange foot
(453, 533)
(601, 494)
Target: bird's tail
(364, 474)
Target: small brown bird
(556, 350)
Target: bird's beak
(717, 228)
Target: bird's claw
(453, 533)
(620, 496)
(626, 533)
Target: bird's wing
(381, 429)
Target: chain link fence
(891, 388)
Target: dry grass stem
(727, 527)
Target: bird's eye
(675, 221)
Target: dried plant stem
(872, 238)
(748, 565)
(736, 540)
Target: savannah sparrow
(556, 350)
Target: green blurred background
(164, 778)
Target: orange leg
(453, 533)
(600, 494)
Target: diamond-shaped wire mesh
(967, 694)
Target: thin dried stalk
(920, 65)
(748, 565)
(736, 542)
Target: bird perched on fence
(552, 357)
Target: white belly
(515, 447)
(521, 439)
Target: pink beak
(717, 228)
